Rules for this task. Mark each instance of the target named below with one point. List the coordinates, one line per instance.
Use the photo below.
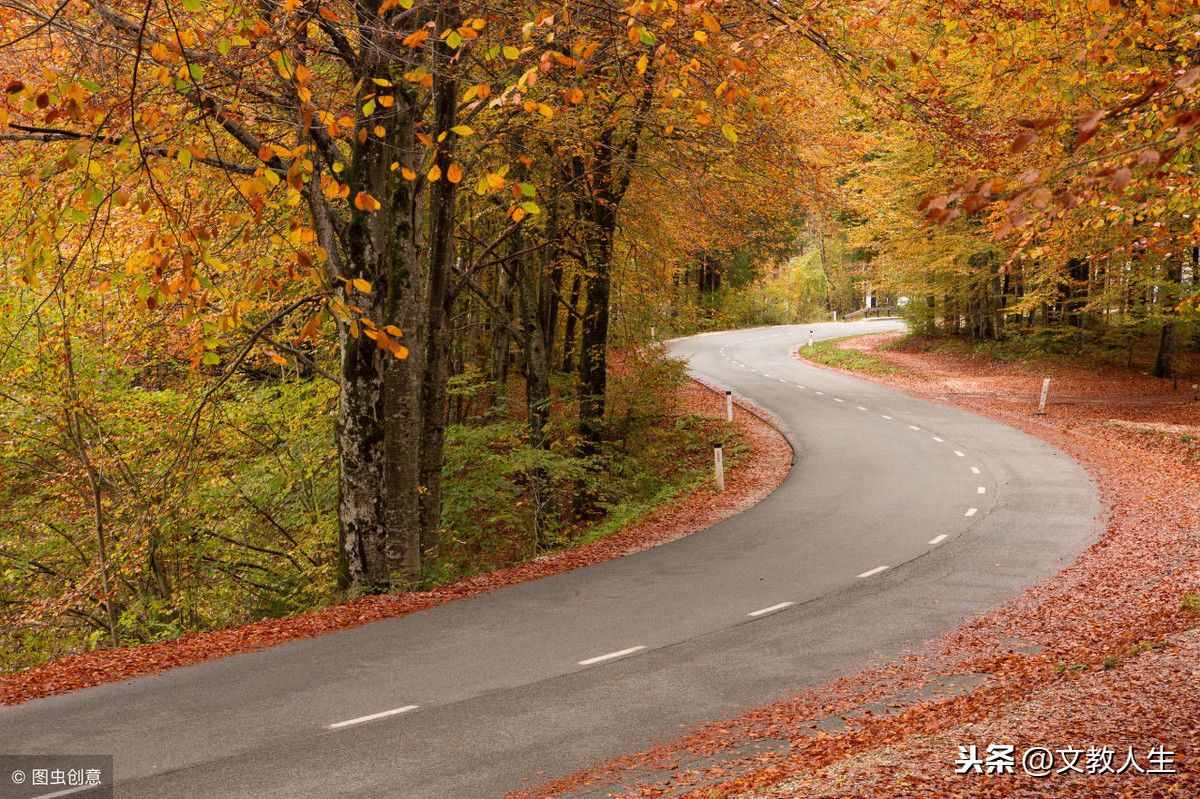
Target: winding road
(899, 519)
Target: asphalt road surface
(899, 519)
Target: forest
(305, 300)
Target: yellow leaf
(462, 130)
(642, 63)
(454, 173)
(700, 36)
(361, 285)
(434, 174)
(511, 53)
(407, 173)
(729, 132)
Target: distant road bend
(899, 519)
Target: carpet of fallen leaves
(1103, 654)
(757, 474)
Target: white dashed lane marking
(939, 539)
(611, 655)
(959, 454)
(873, 572)
(373, 717)
(939, 440)
(974, 470)
(981, 490)
(771, 609)
(971, 511)
(885, 416)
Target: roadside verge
(755, 476)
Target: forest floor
(764, 460)
(1103, 657)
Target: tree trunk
(441, 245)
(593, 352)
(1164, 362)
(568, 361)
(362, 531)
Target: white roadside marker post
(719, 466)
(1041, 411)
(652, 336)
(728, 406)
(810, 338)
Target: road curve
(899, 519)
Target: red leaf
(1023, 140)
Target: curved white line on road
(937, 540)
(873, 572)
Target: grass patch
(1190, 603)
(828, 353)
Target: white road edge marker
(772, 609)
(913, 427)
(861, 408)
(822, 393)
(974, 470)
(611, 655)
(933, 542)
(838, 399)
(939, 440)
(981, 490)
(873, 572)
(971, 511)
(959, 454)
(364, 719)
(885, 416)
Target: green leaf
(646, 37)
(193, 5)
(368, 108)
(454, 40)
(528, 190)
